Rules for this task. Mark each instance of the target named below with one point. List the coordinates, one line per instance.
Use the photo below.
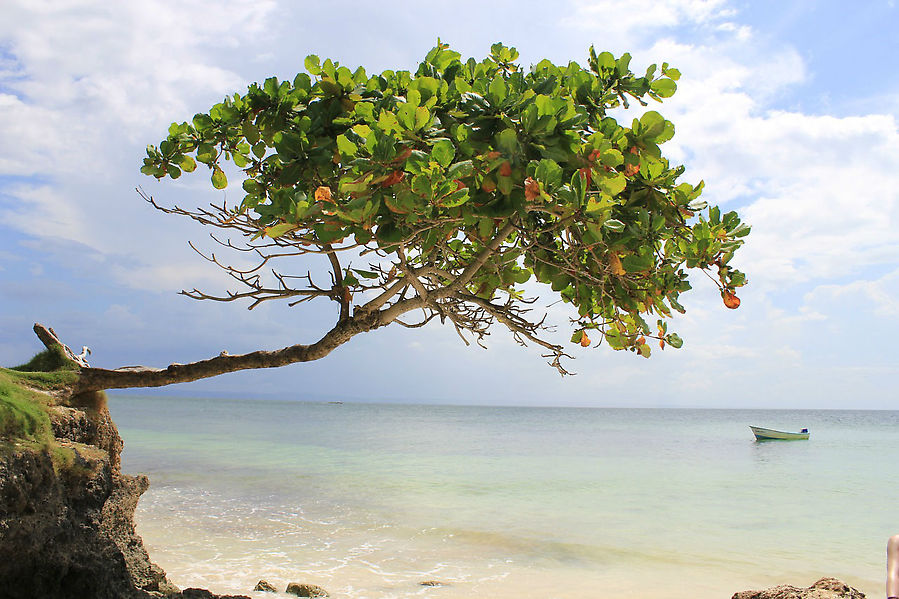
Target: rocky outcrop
(66, 526)
(825, 588)
(66, 516)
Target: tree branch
(97, 379)
(472, 269)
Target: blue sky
(788, 111)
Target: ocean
(370, 500)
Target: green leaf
(422, 117)
(443, 152)
(611, 158)
(579, 187)
(652, 124)
(674, 340)
(507, 141)
(187, 164)
(202, 122)
(405, 114)
(206, 153)
(673, 74)
(549, 173)
(219, 180)
(613, 185)
(366, 274)
(665, 88)
(504, 184)
(259, 150)
(666, 134)
(457, 198)
(741, 231)
(638, 262)
(497, 91)
(389, 233)
(345, 146)
(250, 132)
(417, 162)
(279, 230)
(460, 170)
(606, 60)
(613, 224)
(313, 64)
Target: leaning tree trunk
(97, 379)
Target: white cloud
(43, 211)
(644, 15)
(880, 296)
(85, 84)
(821, 192)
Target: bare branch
(471, 270)
(341, 293)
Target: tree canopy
(445, 193)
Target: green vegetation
(49, 371)
(460, 183)
(49, 360)
(23, 412)
(24, 409)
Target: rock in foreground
(266, 586)
(826, 588)
(306, 590)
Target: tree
(455, 186)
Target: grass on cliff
(24, 408)
(49, 370)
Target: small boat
(765, 434)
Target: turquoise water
(369, 500)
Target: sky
(788, 111)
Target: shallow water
(369, 500)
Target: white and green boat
(766, 434)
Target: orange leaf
(531, 189)
(488, 185)
(615, 264)
(661, 343)
(585, 341)
(587, 172)
(393, 178)
(459, 184)
(493, 155)
(631, 169)
(403, 155)
(730, 300)
(323, 194)
(594, 156)
(505, 169)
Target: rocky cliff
(66, 508)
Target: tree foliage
(455, 186)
